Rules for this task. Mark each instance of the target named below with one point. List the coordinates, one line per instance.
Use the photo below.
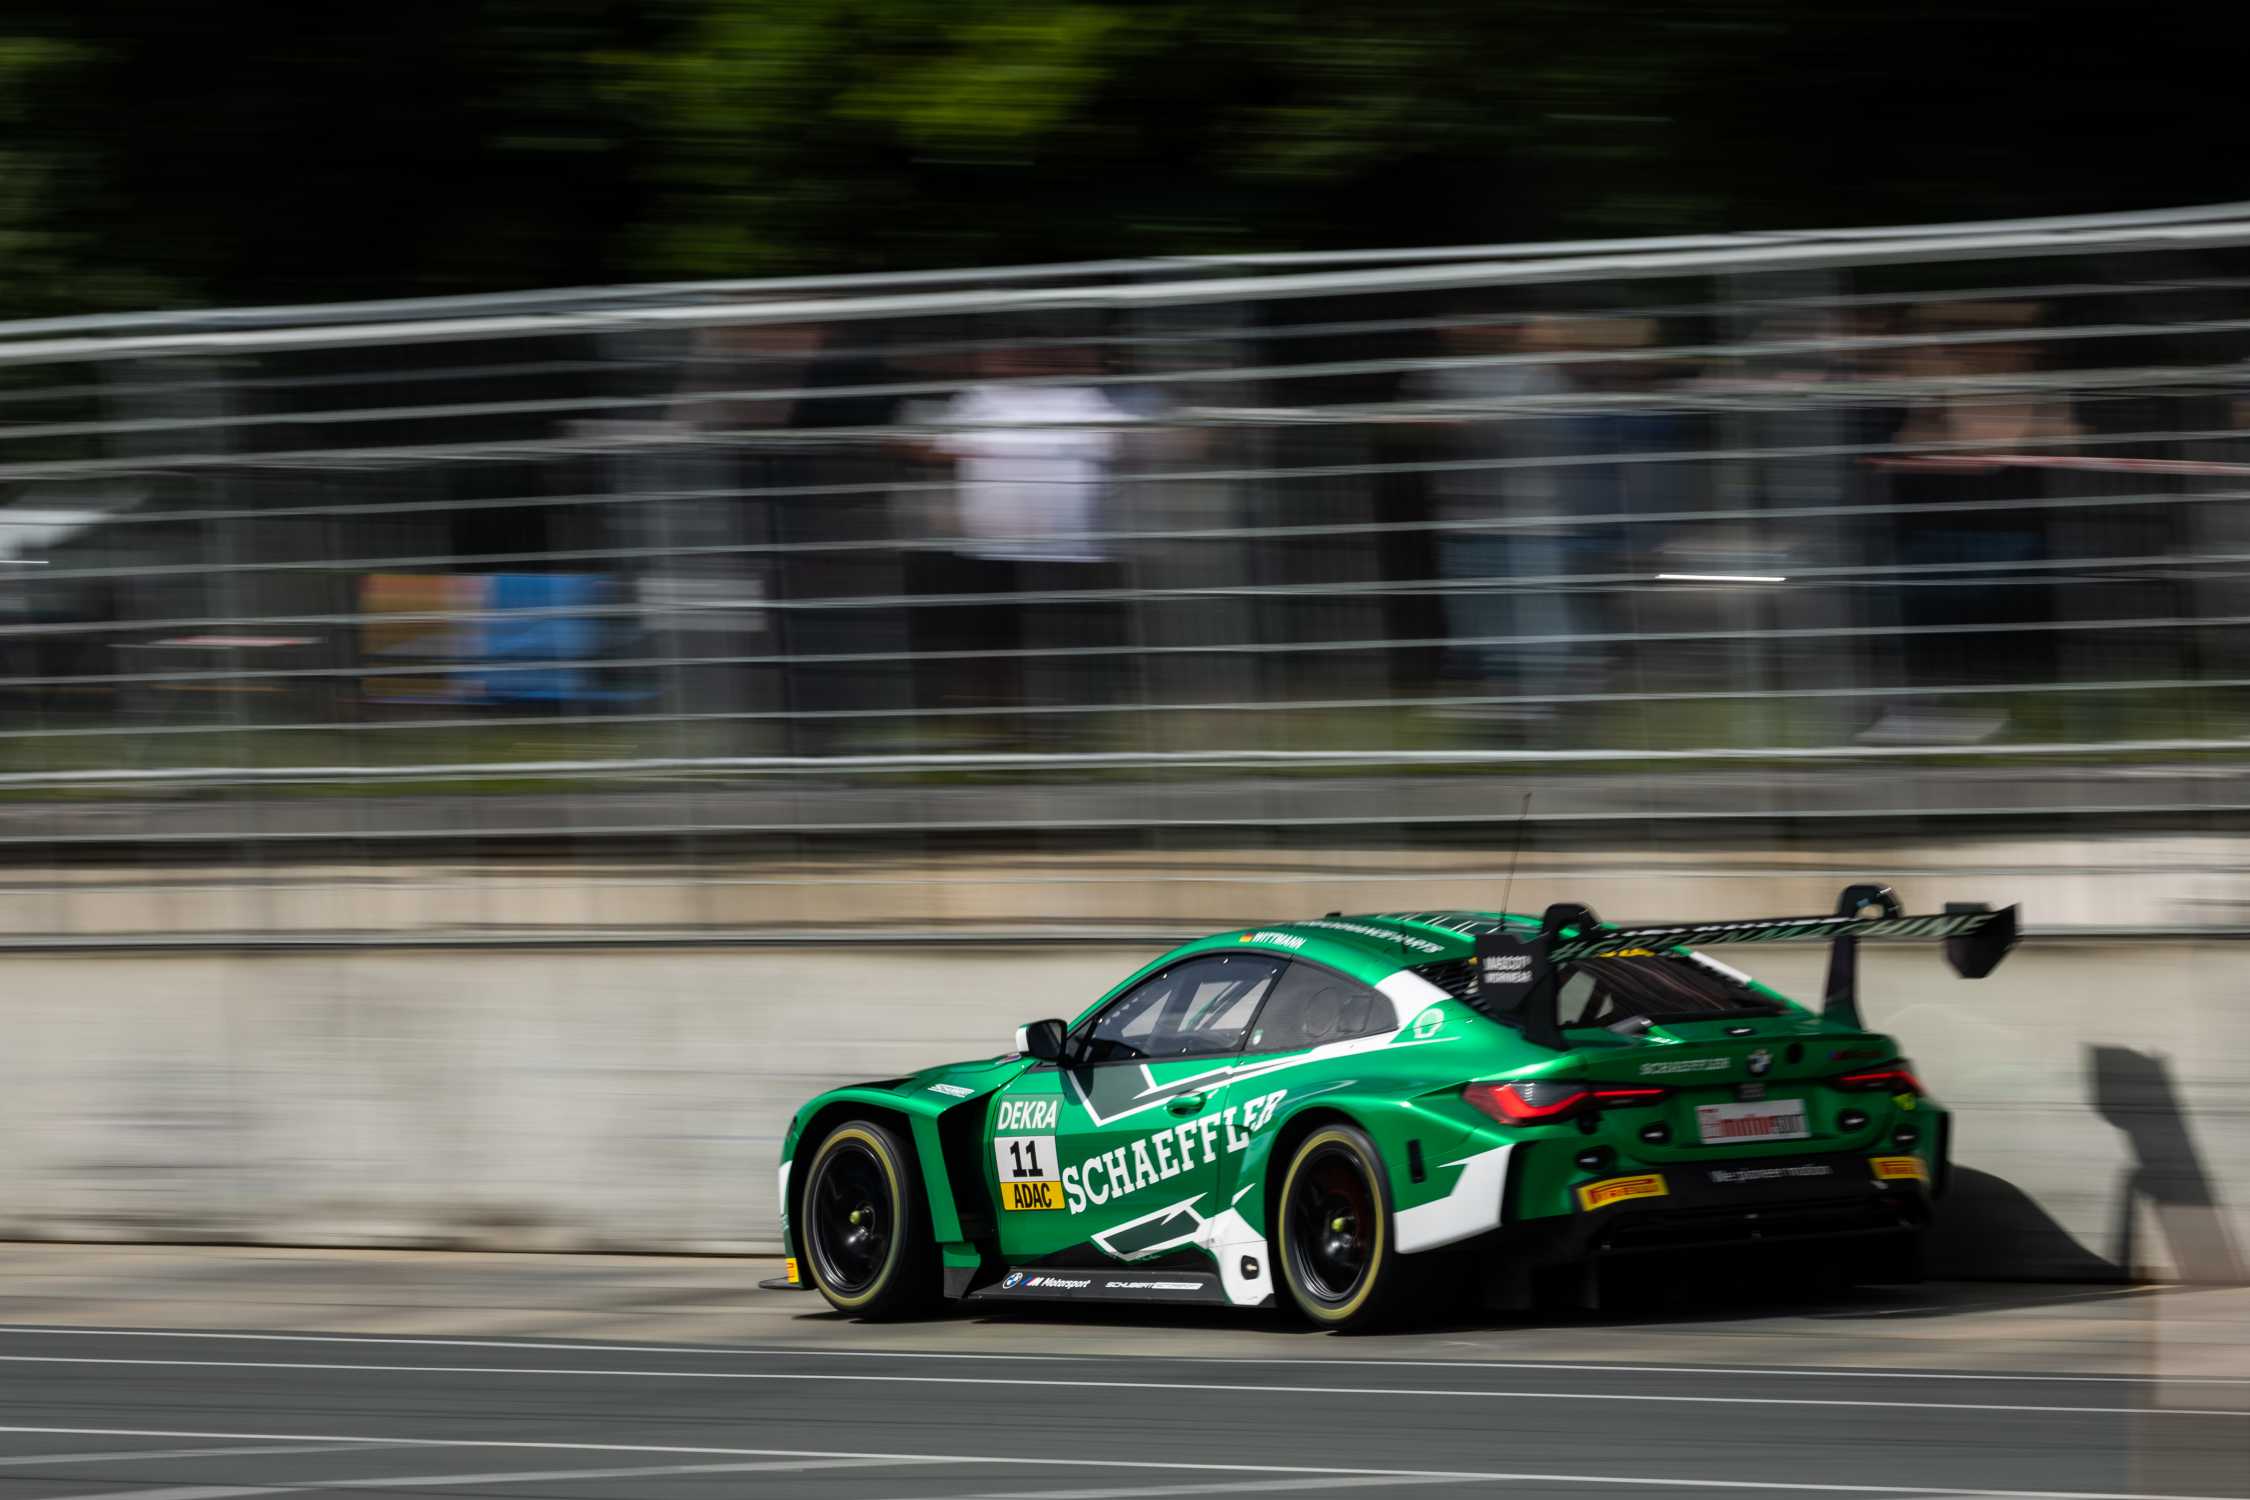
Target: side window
(1196, 1008)
(1581, 998)
(1311, 1005)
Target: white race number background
(1026, 1158)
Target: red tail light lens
(1617, 1098)
(1898, 1078)
(1543, 1101)
(1528, 1101)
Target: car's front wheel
(867, 1240)
(1337, 1251)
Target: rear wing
(1521, 975)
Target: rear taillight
(1898, 1078)
(1543, 1101)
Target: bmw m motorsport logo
(1014, 1280)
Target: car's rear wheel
(867, 1239)
(1337, 1251)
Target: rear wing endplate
(1520, 976)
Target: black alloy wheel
(852, 1218)
(1333, 1217)
(863, 1226)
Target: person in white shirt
(1033, 464)
(1034, 460)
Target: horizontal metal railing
(251, 560)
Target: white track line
(562, 1372)
(739, 1351)
(1224, 1487)
(1160, 1465)
(135, 1455)
(1296, 1484)
(527, 1476)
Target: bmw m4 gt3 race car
(1323, 1113)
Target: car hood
(966, 1080)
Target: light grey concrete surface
(2176, 1332)
(602, 1099)
(214, 1373)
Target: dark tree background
(156, 154)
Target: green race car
(1327, 1113)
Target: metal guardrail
(1933, 527)
(396, 309)
(1150, 939)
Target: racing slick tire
(867, 1236)
(1337, 1252)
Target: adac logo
(1761, 1063)
(1011, 1281)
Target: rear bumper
(1715, 1228)
(1728, 1205)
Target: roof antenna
(1522, 818)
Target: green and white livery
(1328, 1113)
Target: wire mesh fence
(1718, 539)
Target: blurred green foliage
(265, 151)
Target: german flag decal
(1617, 1189)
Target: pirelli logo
(1027, 1195)
(1618, 1189)
(1899, 1168)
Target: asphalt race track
(237, 1373)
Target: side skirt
(1069, 1284)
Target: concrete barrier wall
(636, 1100)
(2176, 882)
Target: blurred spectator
(1970, 594)
(1516, 623)
(1033, 458)
(781, 500)
(1470, 552)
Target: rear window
(1607, 991)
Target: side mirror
(1042, 1039)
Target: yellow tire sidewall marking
(899, 1207)
(1304, 1153)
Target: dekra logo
(1027, 1114)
